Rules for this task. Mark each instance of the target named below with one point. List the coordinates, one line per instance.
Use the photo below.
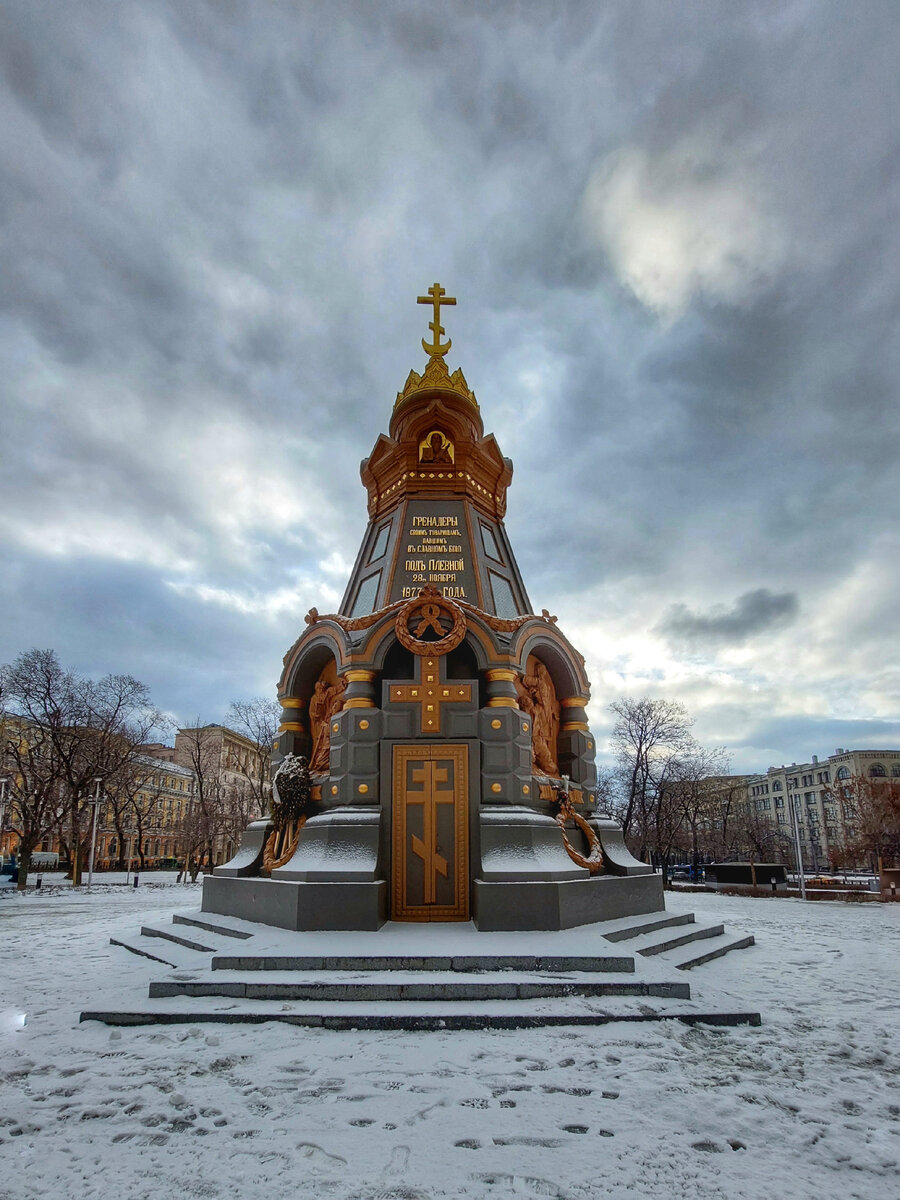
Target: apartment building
(823, 823)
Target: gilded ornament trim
(270, 862)
(430, 597)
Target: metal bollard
(774, 885)
(135, 879)
(38, 882)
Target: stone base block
(249, 857)
(520, 845)
(291, 905)
(616, 855)
(562, 904)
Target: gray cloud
(670, 230)
(753, 613)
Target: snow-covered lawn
(806, 1106)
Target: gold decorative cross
(430, 775)
(430, 694)
(437, 297)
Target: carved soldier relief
(537, 697)
(326, 701)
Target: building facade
(825, 824)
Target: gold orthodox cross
(437, 297)
(430, 694)
(430, 775)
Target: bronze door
(430, 859)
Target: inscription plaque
(435, 549)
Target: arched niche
(322, 654)
(567, 679)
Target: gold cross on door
(430, 860)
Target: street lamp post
(4, 784)
(96, 804)
(796, 827)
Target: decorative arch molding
(554, 650)
(308, 656)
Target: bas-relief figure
(537, 697)
(325, 703)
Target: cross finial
(437, 297)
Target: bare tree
(27, 760)
(870, 814)
(694, 786)
(87, 729)
(204, 819)
(257, 719)
(647, 733)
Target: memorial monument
(434, 761)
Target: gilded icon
(436, 448)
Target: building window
(843, 773)
(776, 785)
(381, 541)
(365, 597)
(779, 801)
(504, 601)
(895, 771)
(877, 771)
(490, 543)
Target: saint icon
(436, 448)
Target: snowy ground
(806, 1106)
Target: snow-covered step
(229, 927)
(168, 953)
(403, 986)
(706, 951)
(632, 927)
(409, 962)
(191, 941)
(656, 943)
(521, 1014)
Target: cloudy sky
(672, 232)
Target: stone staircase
(225, 970)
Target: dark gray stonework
(567, 903)
(305, 906)
(443, 721)
(248, 860)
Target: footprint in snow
(545, 1143)
(142, 1139)
(320, 1158)
(525, 1184)
(398, 1162)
